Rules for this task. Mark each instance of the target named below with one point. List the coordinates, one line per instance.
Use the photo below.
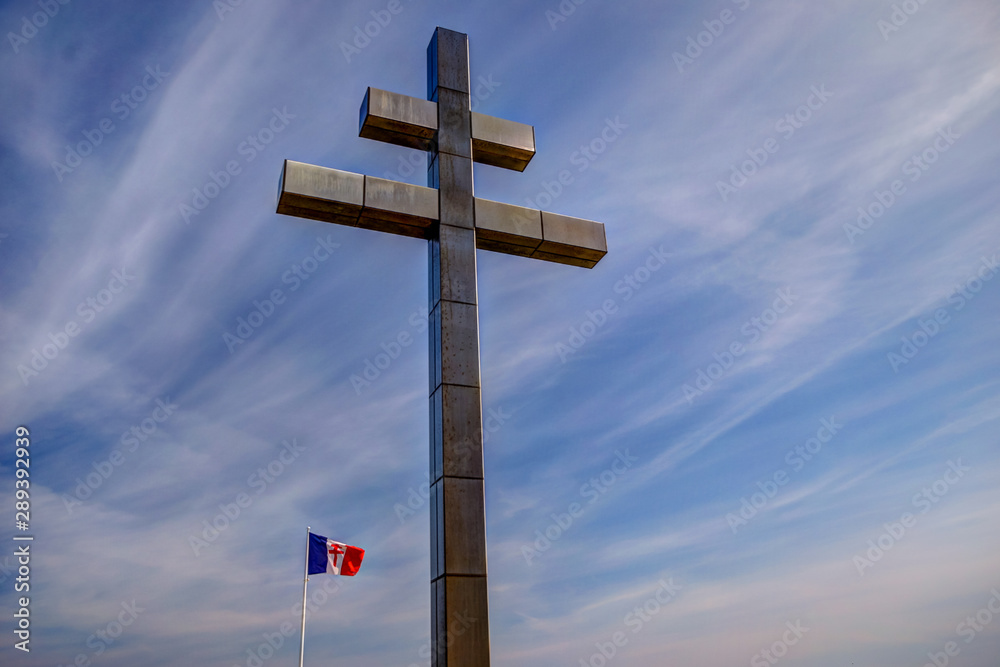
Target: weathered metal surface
(399, 208)
(453, 177)
(354, 200)
(572, 241)
(502, 143)
(457, 259)
(509, 229)
(528, 232)
(458, 639)
(458, 517)
(447, 62)
(398, 119)
(319, 193)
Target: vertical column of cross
(459, 607)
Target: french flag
(329, 557)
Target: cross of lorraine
(455, 223)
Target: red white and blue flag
(329, 557)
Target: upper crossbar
(412, 122)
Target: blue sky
(762, 430)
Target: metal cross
(456, 223)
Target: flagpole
(305, 585)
